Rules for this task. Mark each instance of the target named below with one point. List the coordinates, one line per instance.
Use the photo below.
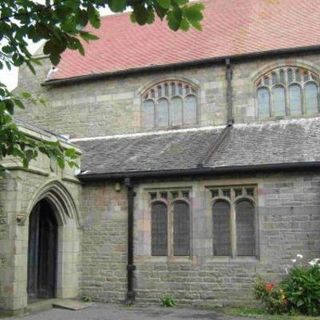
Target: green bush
(298, 292)
(302, 289)
(272, 296)
(168, 301)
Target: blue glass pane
(163, 113)
(190, 110)
(295, 100)
(278, 101)
(176, 111)
(311, 98)
(263, 103)
(148, 114)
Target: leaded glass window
(287, 91)
(234, 221)
(221, 228)
(149, 113)
(263, 102)
(159, 229)
(170, 222)
(311, 98)
(170, 104)
(181, 229)
(295, 99)
(245, 228)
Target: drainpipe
(229, 73)
(130, 266)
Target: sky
(10, 77)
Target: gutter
(209, 171)
(223, 59)
(130, 297)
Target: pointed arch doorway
(42, 252)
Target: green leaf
(194, 14)
(55, 58)
(141, 14)
(181, 2)
(161, 12)
(9, 106)
(94, 17)
(117, 5)
(174, 19)
(19, 103)
(87, 36)
(26, 95)
(61, 163)
(184, 25)
(151, 16)
(164, 3)
(82, 18)
(49, 47)
(7, 49)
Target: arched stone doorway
(42, 252)
(51, 230)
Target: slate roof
(281, 142)
(230, 28)
(150, 152)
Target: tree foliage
(62, 25)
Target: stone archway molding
(284, 63)
(60, 197)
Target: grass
(257, 313)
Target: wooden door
(42, 252)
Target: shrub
(86, 299)
(271, 295)
(302, 289)
(298, 292)
(168, 301)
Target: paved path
(117, 312)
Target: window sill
(234, 260)
(169, 259)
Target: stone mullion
(170, 229)
(233, 230)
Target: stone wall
(113, 106)
(288, 223)
(104, 243)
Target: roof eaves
(222, 59)
(140, 175)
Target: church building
(199, 158)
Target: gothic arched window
(245, 227)
(287, 91)
(159, 229)
(170, 104)
(170, 222)
(181, 228)
(234, 221)
(221, 228)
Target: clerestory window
(170, 223)
(170, 104)
(287, 91)
(233, 219)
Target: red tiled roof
(230, 27)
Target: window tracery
(233, 218)
(170, 223)
(287, 91)
(170, 104)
